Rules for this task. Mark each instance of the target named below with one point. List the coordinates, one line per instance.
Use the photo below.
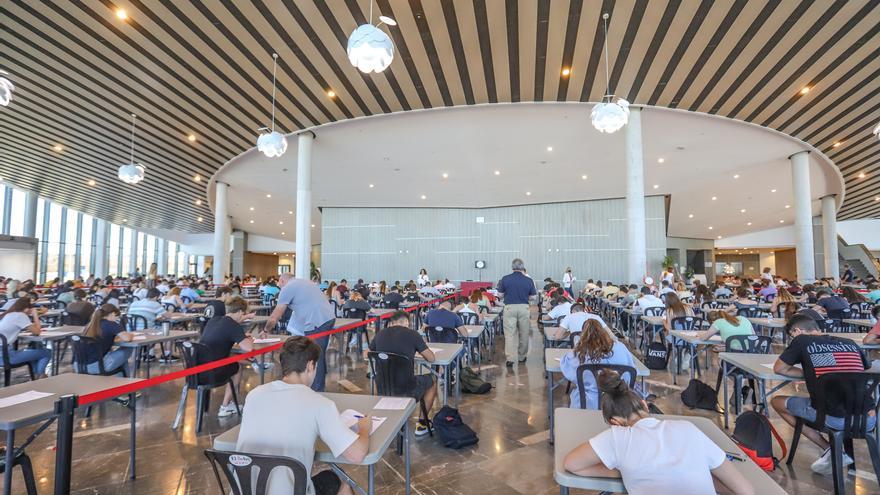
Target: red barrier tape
(175, 375)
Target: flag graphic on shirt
(836, 362)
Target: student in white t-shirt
(286, 417)
(574, 322)
(648, 300)
(561, 307)
(651, 455)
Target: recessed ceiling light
(805, 90)
(773, 190)
(313, 225)
(91, 182)
(719, 237)
(290, 212)
(749, 223)
(197, 178)
(861, 175)
(782, 221)
(124, 220)
(497, 172)
(121, 14)
(268, 195)
(714, 198)
(252, 221)
(876, 198)
(742, 210)
(566, 71)
(372, 186)
(656, 186)
(198, 202)
(191, 138)
(282, 233)
(736, 176)
(584, 177)
(549, 148)
(275, 253)
(710, 227)
(252, 208)
(58, 148)
(445, 175)
(660, 160)
(528, 193)
(424, 197)
(199, 219)
(691, 215)
(280, 222)
(837, 144)
(331, 93)
(787, 206)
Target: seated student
(271, 288)
(783, 297)
(873, 293)
(873, 336)
(220, 335)
(561, 307)
(163, 287)
(443, 316)
(574, 322)
(113, 297)
(286, 417)
(594, 347)
(342, 289)
(727, 325)
(853, 296)
(682, 291)
(831, 303)
(106, 330)
(357, 303)
(675, 309)
(722, 291)
(470, 305)
(141, 291)
(647, 300)
(666, 288)
(399, 338)
(150, 308)
(742, 300)
(429, 292)
(173, 297)
(808, 348)
(411, 296)
(610, 291)
(21, 317)
(653, 456)
(393, 298)
(222, 295)
(629, 295)
(79, 311)
(190, 292)
(768, 289)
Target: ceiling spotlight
(280, 222)
(282, 233)
(252, 221)
(124, 220)
(660, 160)
(6, 89)
(313, 225)
(528, 193)
(290, 212)
(445, 175)
(424, 197)
(272, 143)
(787, 206)
(197, 178)
(876, 198)
(199, 219)
(275, 253)
(861, 175)
(837, 144)
(584, 177)
(121, 14)
(805, 90)
(91, 182)
(749, 223)
(656, 186)
(719, 237)
(191, 138)
(782, 221)
(131, 172)
(198, 202)
(566, 71)
(710, 227)
(369, 48)
(268, 195)
(876, 129)
(372, 186)
(773, 190)
(609, 116)
(497, 172)
(743, 210)
(714, 198)
(736, 176)
(252, 208)
(691, 215)
(549, 148)
(58, 148)
(331, 93)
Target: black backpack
(471, 383)
(451, 429)
(752, 434)
(657, 357)
(699, 395)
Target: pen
(734, 457)
(358, 416)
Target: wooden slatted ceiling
(205, 68)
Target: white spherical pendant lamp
(370, 49)
(610, 116)
(272, 144)
(6, 89)
(131, 172)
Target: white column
(637, 251)
(133, 255)
(30, 214)
(102, 236)
(803, 216)
(829, 235)
(304, 204)
(221, 233)
(162, 257)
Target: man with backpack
(818, 354)
(399, 338)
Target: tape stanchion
(176, 375)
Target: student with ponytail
(105, 328)
(651, 455)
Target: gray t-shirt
(12, 324)
(310, 307)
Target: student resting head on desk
(651, 455)
(286, 417)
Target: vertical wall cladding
(394, 243)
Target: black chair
(626, 372)
(393, 373)
(752, 312)
(359, 332)
(27, 470)
(857, 393)
(336, 307)
(750, 344)
(7, 368)
(469, 318)
(60, 304)
(239, 469)
(688, 323)
(186, 299)
(80, 346)
(861, 310)
(655, 311)
(171, 307)
(442, 335)
(834, 325)
(269, 300)
(712, 305)
(195, 354)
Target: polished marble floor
(513, 456)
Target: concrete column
(102, 241)
(30, 214)
(162, 256)
(803, 216)
(133, 255)
(221, 233)
(637, 251)
(239, 248)
(7, 212)
(829, 235)
(304, 204)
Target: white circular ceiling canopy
(527, 153)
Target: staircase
(860, 260)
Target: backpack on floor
(451, 429)
(752, 435)
(471, 383)
(699, 395)
(657, 356)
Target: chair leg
(27, 472)
(7, 375)
(235, 397)
(180, 407)
(30, 367)
(875, 453)
(837, 462)
(795, 438)
(200, 408)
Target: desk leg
(563, 490)
(262, 368)
(458, 382)
(446, 388)
(371, 488)
(693, 360)
(550, 402)
(10, 458)
(406, 457)
(725, 404)
(762, 384)
(132, 405)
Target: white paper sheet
(689, 333)
(435, 350)
(268, 340)
(22, 397)
(351, 417)
(558, 359)
(139, 337)
(392, 403)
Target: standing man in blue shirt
(517, 287)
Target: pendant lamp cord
(133, 120)
(274, 69)
(607, 75)
(371, 11)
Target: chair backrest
(442, 335)
(627, 373)
(171, 307)
(711, 305)
(393, 373)
(194, 354)
(5, 351)
(834, 325)
(752, 312)
(268, 299)
(80, 346)
(861, 310)
(769, 298)
(354, 313)
(855, 392)
(186, 299)
(60, 304)
(688, 323)
(687, 300)
(469, 318)
(239, 469)
(752, 344)
(136, 322)
(655, 311)
(663, 297)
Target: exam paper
(392, 403)
(139, 337)
(267, 340)
(435, 350)
(351, 417)
(22, 397)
